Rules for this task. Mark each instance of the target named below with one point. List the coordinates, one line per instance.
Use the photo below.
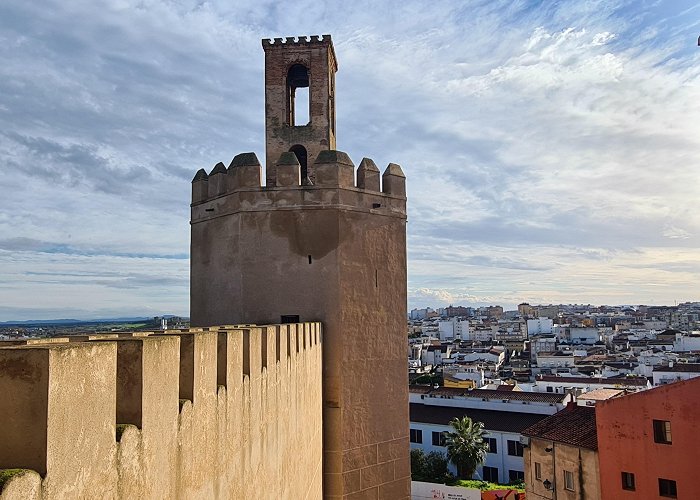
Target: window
(662, 431)
(302, 155)
(628, 481)
(438, 439)
(416, 436)
(515, 449)
(298, 102)
(550, 389)
(493, 445)
(515, 476)
(568, 480)
(538, 470)
(667, 488)
(490, 474)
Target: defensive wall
(226, 412)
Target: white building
(504, 415)
(539, 326)
(453, 328)
(685, 343)
(675, 372)
(563, 385)
(556, 359)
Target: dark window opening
(376, 205)
(516, 476)
(490, 474)
(298, 95)
(416, 436)
(493, 445)
(628, 481)
(376, 278)
(515, 449)
(289, 318)
(302, 156)
(309, 259)
(662, 431)
(667, 488)
(439, 439)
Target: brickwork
(317, 55)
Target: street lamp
(547, 484)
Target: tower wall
(333, 252)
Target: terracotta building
(561, 456)
(649, 444)
(314, 244)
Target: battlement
(300, 40)
(239, 188)
(196, 413)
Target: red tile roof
(574, 425)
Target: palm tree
(466, 447)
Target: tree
(431, 468)
(466, 447)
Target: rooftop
(574, 425)
(499, 394)
(493, 420)
(680, 367)
(601, 394)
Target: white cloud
(551, 151)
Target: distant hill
(41, 322)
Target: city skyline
(551, 152)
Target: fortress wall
(252, 428)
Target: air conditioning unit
(525, 440)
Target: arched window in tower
(298, 95)
(300, 152)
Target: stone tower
(323, 248)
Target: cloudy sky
(552, 148)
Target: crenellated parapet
(239, 188)
(196, 413)
(299, 40)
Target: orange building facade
(649, 444)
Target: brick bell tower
(292, 68)
(315, 244)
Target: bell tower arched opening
(302, 156)
(298, 95)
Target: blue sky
(552, 149)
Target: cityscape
(547, 377)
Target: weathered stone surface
(394, 180)
(288, 170)
(244, 171)
(368, 175)
(334, 168)
(224, 443)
